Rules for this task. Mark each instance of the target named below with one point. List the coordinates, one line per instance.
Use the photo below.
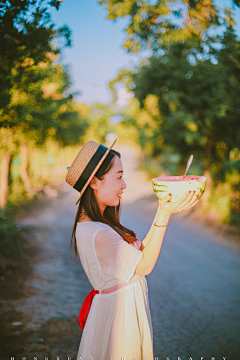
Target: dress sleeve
(118, 259)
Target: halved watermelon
(178, 186)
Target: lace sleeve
(117, 258)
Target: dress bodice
(106, 257)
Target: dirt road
(193, 290)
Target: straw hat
(85, 165)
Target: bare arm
(147, 237)
(153, 247)
(154, 239)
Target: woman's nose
(124, 185)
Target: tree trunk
(36, 169)
(207, 173)
(209, 184)
(187, 20)
(4, 180)
(24, 168)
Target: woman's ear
(93, 183)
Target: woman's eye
(120, 177)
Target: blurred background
(161, 76)
(164, 78)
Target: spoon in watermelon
(188, 165)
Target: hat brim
(94, 171)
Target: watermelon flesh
(178, 186)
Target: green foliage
(153, 23)
(17, 192)
(26, 32)
(8, 232)
(220, 203)
(99, 123)
(229, 168)
(9, 141)
(152, 166)
(188, 105)
(187, 102)
(34, 101)
(126, 134)
(42, 171)
(229, 174)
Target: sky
(97, 55)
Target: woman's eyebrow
(120, 171)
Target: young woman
(118, 325)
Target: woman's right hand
(188, 200)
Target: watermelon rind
(162, 186)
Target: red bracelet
(161, 225)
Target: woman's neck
(83, 217)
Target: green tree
(9, 143)
(35, 100)
(197, 101)
(152, 24)
(26, 32)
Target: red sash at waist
(88, 301)
(86, 308)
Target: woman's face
(108, 191)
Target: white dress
(119, 324)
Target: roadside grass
(14, 259)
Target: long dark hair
(88, 204)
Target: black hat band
(90, 167)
